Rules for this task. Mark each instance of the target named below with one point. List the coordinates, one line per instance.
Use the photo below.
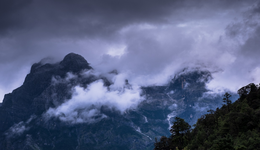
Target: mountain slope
(68, 105)
(233, 126)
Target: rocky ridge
(24, 126)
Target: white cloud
(85, 104)
(117, 50)
(19, 128)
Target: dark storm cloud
(83, 17)
(148, 38)
(256, 9)
(247, 33)
(244, 35)
(95, 18)
(251, 48)
(9, 14)
(33, 28)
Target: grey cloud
(248, 23)
(9, 14)
(70, 18)
(249, 30)
(98, 18)
(149, 51)
(251, 48)
(256, 8)
(243, 34)
(159, 37)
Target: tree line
(234, 126)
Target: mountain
(234, 126)
(68, 105)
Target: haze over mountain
(147, 41)
(70, 105)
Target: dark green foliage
(180, 131)
(226, 100)
(232, 127)
(180, 136)
(180, 127)
(163, 144)
(223, 143)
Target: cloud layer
(85, 104)
(148, 41)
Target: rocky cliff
(34, 115)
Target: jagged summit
(39, 79)
(74, 63)
(71, 63)
(73, 57)
(30, 116)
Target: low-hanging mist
(85, 103)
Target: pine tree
(180, 133)
(226, 99)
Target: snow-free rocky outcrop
(33, 115)
(23, 102)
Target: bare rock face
(74, 63)
(23, 126)
(22, 122)
(41, 75)
(21, 102)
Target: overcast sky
(148, 41)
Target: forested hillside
(232, 127)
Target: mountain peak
(74, 62)
(39, 79)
